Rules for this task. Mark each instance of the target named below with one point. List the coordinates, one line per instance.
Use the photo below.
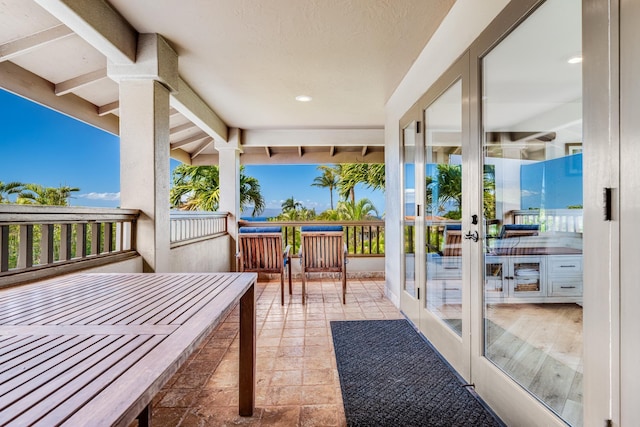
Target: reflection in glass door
(532, 203)
(443, 207)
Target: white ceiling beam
(332, 150)
(181, 156)
(76, 83)
(181, 128)
(99, 24)
(173, 113)
(27, 44)
(109, 108)
(268, 151)
(187, 141)
(197, 111)
(312, 137)
(364, 150)
(20, 81)
(300, 151)
(207, 142)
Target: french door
(436, 293)
(493, 199)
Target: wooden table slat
(47, 297)
(21, 346)
(121, 300)
(29, 392)
(17, 370)
(94, 349)
(171, 352)
(63, 385)
(62, 302)
(62, 412)
(172, 296)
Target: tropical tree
(363, 209)
(291, 205)
(8, 189)
(329, 179)
(35, 194)
(372, 175)
(198, 188)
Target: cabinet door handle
(567, 266)
(567, 287)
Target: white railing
(187, 226)
(570, 220)
(33, 238)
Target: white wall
(463, 24)
(133, 265)
(204, 256)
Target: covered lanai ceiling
(242, 62)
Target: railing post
(4, 248)
(81, 240)
(96, 238)
(108, 237)
(46, 243)
(65, 242)
(25, 256)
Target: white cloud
(100, 196)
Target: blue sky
(39, 145)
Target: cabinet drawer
(564, 265)
(569, 286)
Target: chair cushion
(260, 230)
(312, 228)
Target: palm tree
(198, 188)
(39, 195)
(371, 175)
(291, 205)
(363, 209)
(9, 188)
(329, 179)
(250, 194)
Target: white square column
(144, 144)
(229, 168)
(144, 167)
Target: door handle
(472, 236)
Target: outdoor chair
(322, 248)
(261, 251)
(452, 240)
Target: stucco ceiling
(246, 59)
(249, 59)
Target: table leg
(144, 419)
(247, 353)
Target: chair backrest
(260, 249)
(452, 240)
(322, 248)
(518, 230)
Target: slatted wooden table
(93, 349)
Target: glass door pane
(443, 206)
(532, 203)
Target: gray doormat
(391, 376)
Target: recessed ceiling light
(303, 98)
(575, 59)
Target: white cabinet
(512, 278)
(565, 275)
(528, 278)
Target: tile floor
(297, 380)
